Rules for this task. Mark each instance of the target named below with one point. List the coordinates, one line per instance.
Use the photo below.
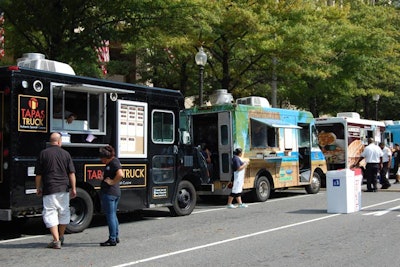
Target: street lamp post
(376, 99)
(201, 60)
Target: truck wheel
(81, 211)
(315, 185)
(262, 190)
(185, 200)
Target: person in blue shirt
(238, 167)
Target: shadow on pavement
(35, 226)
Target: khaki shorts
(56, 209)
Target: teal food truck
(281, 146)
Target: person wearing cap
(373, 157)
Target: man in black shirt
(55, 173)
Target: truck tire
(262, 190)
(81, 211)
(315, 184)
(185, 200)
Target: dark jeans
(383, 173)
(371, 173)
(110, 204)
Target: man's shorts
(56, 209)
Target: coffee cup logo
(33, 103)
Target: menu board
(132, 121)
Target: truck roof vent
(254, 101)
(38, 61)
(221, 97)
(353, 115)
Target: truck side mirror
(186, 140)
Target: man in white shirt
(373, 157)
(386, 160)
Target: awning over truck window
(94, 89)
(276, 123)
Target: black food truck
(142, 123)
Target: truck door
(163, 154)
(225, 145)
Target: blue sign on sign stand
(336, 182)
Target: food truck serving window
(77, 109)
(264, 132)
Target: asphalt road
(292, 229)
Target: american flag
(2, 52)
(103, 54)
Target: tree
(68, 30)
(325, 58)
(368, 59)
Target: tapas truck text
(156, 139)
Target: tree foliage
(324, 57)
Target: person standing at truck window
(111, 193)
(238, 167)
(55, 181)
(386, 160)
(373, 157)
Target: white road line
(20, 239)
(224, 241)
(252, 204)
(381, 212)
(162, 218)
(244, 236)
(220, 242)
(381, 203)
